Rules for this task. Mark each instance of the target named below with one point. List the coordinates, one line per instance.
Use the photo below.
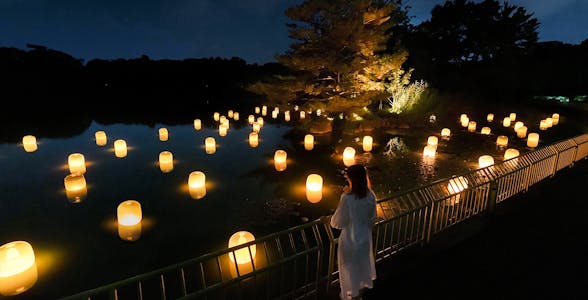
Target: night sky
(176, 29)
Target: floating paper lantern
(549, 122)
(543, 125)
(29, 143)
(129, 232)
(264, 110)
(429, 151)
(314, 188)
(222, 119)
(555, 118)
(463, 117)
(502, 141)
(256, 127)
(75, 187)
(445, 132)
(533, 140)
(236, 116)
(257, 109)
(432, 141)
(485, 130)
(230, 113)
(225, 122)
(485, 160)
(243, 255)
(120, 148)
(222, 130)
(517, 125)
(216, 116)
(522, 132)
(465, 122)
(275, 114)
(512, 116)
(456, 185)
(490, 117)
(18, 269)
(197, 184)
(260, 121)
(472, 126)
(166, 161)
(101, 138)
(308, 142)
(302, 114)
(163, 134)
(253, 139)
(251, 119)
(210, 145)
(348, 156)
(319, 112)
(506, 122)
(367, 143)
(280, 160)
(197, 124)
(510, 153)
(129, 212)
(76, 163)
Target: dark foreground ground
(534, 246)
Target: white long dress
(355, 217)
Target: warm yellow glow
(251, 119)
(257, 110)
(522, 132)
(264, 110)
(510, 153)
(275, 114)
(485, 130)
(253, 139)
(129, 212)
(465, 122)
(222, 130)
(506, 122)
(236, 116)
(76, 163)
(518, 125)
(445, 132)
(543, 125)
(555, 118)
(166, 161)
(197, 124)
(75, 187)
(429, 151)
(472, 126)
(432, 141)
(549, 122)
(308, 142)
(18, 269)
(314, 188)
(490, 117)
(163, 134)
(512, 116)
(197, 184)
(260, 121)
(457, 184)
(302, 114)
(349, 156)
(367, 143)
(463, 117)
(533, 140)
(222, 119)
(502, 140)
(230, 113)
(280, 160)
(210, 145)
(101, 138)
(216, 116)
(120, 148)
(225, 122)
(287, 116)
(256, 127)
(29, 143)
(129, 232)
(485, 160)
(243, 255)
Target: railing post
(432, 216)
(492, 197)
(331, 266)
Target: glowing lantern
(472, 126)
(129, 212)
(251, 119)
(280, 160)
(166, 161)
(197, 124)
(222, 130)
(549, 122)
(314, 188)
(522, 132)
(222, 119)
(348, 156)
(120, 148)
(260, 121)
(429, 151)
(264, 110)
(512, 116)
(197, 184)
(465, 122)
(543, 125)
(485, 130)
(18, 269)
(506, 122)
(490, 117)
(510, 153)
(287, 116)
(257, 109)
(277, 110)
(256, 127)
(230, 113)
(533, 140)
(555, 118)
(319, 112)
(29, 143)
(485, 160)
(236, 116)
(253, 139)
(243, 255)
(308, 142)
(100, 137)
(502, 140)
(210, 145)
(216, 116)
(517, 125)
(432, 141)
(445, 132)
(367, 143)
(456, 185)
(163, 134)
(77, 163)
(463, 117)
(225, 122)
(302, 114)
(75, 187)
(275, 114)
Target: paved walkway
(534, 246)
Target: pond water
(77, 244)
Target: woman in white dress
(355, 216)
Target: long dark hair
(359, 181)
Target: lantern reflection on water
(18, 269)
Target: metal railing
(300, 262)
